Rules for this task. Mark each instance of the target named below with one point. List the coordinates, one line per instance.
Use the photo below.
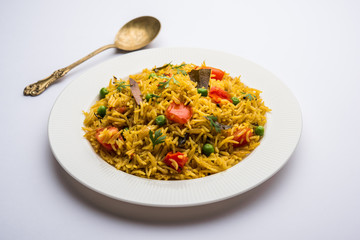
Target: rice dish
(176, 122)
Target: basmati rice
(129, 147)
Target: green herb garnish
(249, 96)
(166, 84)
(153, 75)
(178, 70)
(216, 125)
(175, 81)
(183, 72)
(122, 85)
(157, 138)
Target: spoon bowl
(134, 35)
(137, 33)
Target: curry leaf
(159, 68)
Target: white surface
(77, 157)
(312, 46)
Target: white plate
(76, 156)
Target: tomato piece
(219, 74)
(178, 113)
(176, 160)
(112, 131)
(217, 94)
(215, 72)
(242, 136)
(121, 109)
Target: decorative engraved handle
(37, 88)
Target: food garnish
(157, 138)
(121, 85)
(166, 83)
(216, 125)
(249, 96)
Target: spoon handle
(37, 88)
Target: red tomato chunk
(242, 136)
(215, 72)
(176, 160)
(112, 131)
(121, 109)
(217, 94)
(179, 113)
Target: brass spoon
(134, 35)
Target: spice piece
(216, 125)
(182, 140)
(201, 77)
(135, 90)
(159, 68)
(215, 72)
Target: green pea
(160, 120)
(208, 149)
(126, 129)
(235, 100)
(259, 130)
(203, 92)
(101, 111)
(103, 92)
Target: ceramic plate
(77, 157)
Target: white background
(312, 46)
